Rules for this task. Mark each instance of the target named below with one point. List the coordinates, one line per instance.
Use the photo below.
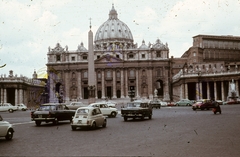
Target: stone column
(96, 90)
(114, 84)
(2, 95)
(215, 90)
(208, 91)
(222, 91)
(137, 86)
(237, 91)
(181, 91)
(122, 84)
(197, 91)
(186, 91)
(21, 96)
(200, 92)
(126, 83)
(103, 84)
(16, 97)
(5, 95)
(66, 86)
(150, 90)
(79, 84)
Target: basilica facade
(120, 66)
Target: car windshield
(133, 104)
(83, 111)
(154, 102)
(47, 108)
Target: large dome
(113, 31)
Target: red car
(203, 104)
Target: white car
(106, 111)
(8, 107)
(111, 103)
(22, 107)
(75, 105)
(163, 103)
(90, 117)
(6, 129)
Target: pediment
(108, 58)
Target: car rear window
(83, 111)
(47, 108)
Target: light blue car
(184, 102)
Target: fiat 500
(88, 117)
(6, 129)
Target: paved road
(173, 131)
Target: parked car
(184, 102)
(90, 117)
(6, 129)
(75, 105)
(52, 112)
(203, 104)
(22, 107)
(155, 103)
(106, 111)
(220, 102)
(8, 107)
(164, 104)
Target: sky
(29, 27)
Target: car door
(105, 109)
(3, 127)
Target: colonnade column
(79, 80)
(96, 89)
(137, 92)
(197, 91)
(181, 91)
(222, 91)
(103, 85)
(215, 90)
(186, 91)
(21, 96)
(114, 84)
(126, 83)
(208, 92)
(122, 84)
(237, 93)
(150, 90)
(2, 95)
(5, 95)
(67, 86)
(200, 92)
(16, 97)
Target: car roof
(52, 104)
(87, 107)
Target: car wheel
(55, 122)
(74, 128)
(150, 116)
(113, 114)
(23, 109)
(104, 124)
(94, 125)
(215, 112)
(125, 118)
(10, 110)
(194, 109)
(9, 135)
(38, 123)
(188, 105)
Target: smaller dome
(81, 47)
(143, 46)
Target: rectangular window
(130, 56)
(98, 56)
(73, 58)
(85, 58)
(143, 55)
(58, 57)
(117, 56)
(158, 54)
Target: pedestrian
(217, 107)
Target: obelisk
(91, 69)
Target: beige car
(75, 105)
(105, 109)
(88, 117)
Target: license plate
(79, 122)
(39, 116)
